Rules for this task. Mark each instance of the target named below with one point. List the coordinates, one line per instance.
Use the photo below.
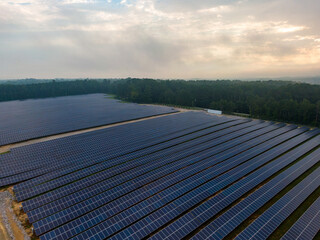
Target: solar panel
(146, 226)
(166, 195)
(136, 172)
(165, 177)
(37, 118)
(203, 213)
(78, 153)
(266, 223)
(144, 181)
(83, 142)
(307, 225)
(99, 164)
(183, 145)
(228, 221)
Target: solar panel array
(263, 226)
(308, 224)
(187, 175)
(29, 119)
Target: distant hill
(35, 80)
(310, 80)
(29, 81)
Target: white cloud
(178, 39)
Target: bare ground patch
(14, 223)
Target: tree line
(271, 100)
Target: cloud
(161, 39)
(191, 5)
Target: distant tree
(272, 100)
(317, 121)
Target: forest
(271, 100)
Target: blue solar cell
(136, 172)
(266, 223)
(228, 221)
(206, 175)
(75, 153)
(105, 162)
(198, 216)
(146, 226)
(111, 137)
(163, 177)
(307, 225)
(37, 118)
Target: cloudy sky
(159, 38)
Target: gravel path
(5, 204)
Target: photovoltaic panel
(157, 164)
(30, 119)
(266, 223)
(90, 153)
(228, 221)
(144, 207)
(163, 178)
(121, 188)
(83, 142)
(100, 165)
(181, 205)
(307, 225)
(198, 216)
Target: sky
(176, 39)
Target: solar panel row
(266, 223)
(130, 131)
(37, 118)
(144, 180)
(181, 205)
(138, 172)
(169, 177)
(228, 221)
(165, 196)
(100, 165)
(78, 154)
(307, 225)
(82, 143)
(200, 215)
(182, 146)
(127, 165)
